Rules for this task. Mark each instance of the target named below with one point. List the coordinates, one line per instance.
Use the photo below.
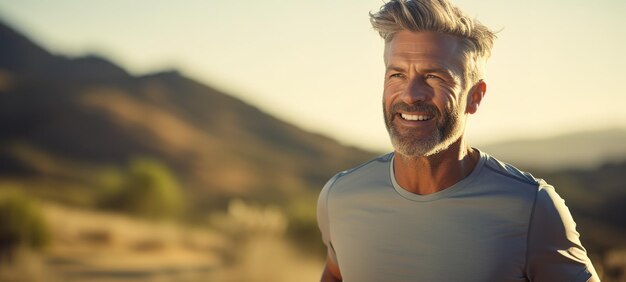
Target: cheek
(450, 96)
(392, 89)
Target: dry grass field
(102, 247)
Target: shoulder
(495, 166)
(506, 179)
(363, 172)
(380, 163)
(548, 206)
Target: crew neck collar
(440, 194)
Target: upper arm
(323, 222)
(555, 252)
(322, 213)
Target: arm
(331, 271)
(554, 250)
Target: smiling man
(437, 209)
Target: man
(436, 209)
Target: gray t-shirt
(497, 224)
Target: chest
(462, 239)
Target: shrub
(148, 189)
(21, 224)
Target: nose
(417, 90)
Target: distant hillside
(575, 150)
(75, 113)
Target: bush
(148, 189)
(21, 224)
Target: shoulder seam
(530, 221)
(511, 176)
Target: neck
(427, 175)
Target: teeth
(415, 117)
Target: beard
(406, 142)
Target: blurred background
(188, 140)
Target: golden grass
(26, 265)
(267, 258)
(116, 241)
(89, 245)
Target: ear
(475, 96)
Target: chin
(424, 147)
(416, 148)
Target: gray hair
(442, 17)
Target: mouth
(418, 117)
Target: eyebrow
(394, 68)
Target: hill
(585, 149)
(68, 119)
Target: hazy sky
(557, 65)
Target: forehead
(427, 47)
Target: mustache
(417, 107)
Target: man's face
(423, 100)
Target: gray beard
(405, 143)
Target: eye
(429, 76)
(396, 75)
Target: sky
(557, 66)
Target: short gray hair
(442, 17)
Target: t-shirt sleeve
(554, 249)
(323, 217)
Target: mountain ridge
(90, 110)
(583, 149)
